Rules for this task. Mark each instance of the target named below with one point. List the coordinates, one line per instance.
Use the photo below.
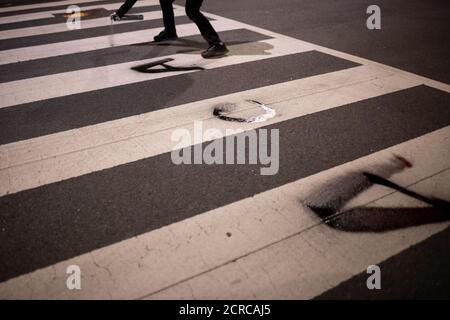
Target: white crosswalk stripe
(63, 84)
(276, 239)
(51, 158)
(96, 43)
(47, 4)
(165, 262)
(51, 13)
(87, 24)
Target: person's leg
(205, 27)
(124, 8)
(216, 46)
(169, 32)
(168, 16)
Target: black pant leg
(124, 8)
(205, 27)
(168, 16)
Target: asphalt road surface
(94, 117)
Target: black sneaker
(165, 36)
(215, 50)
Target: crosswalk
(86, 176)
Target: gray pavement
(63, 196)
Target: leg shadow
(161, 66)
(375, 219)
(328, 200)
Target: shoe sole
(218, 55)
(164, 40)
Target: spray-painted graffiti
(222, 110)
